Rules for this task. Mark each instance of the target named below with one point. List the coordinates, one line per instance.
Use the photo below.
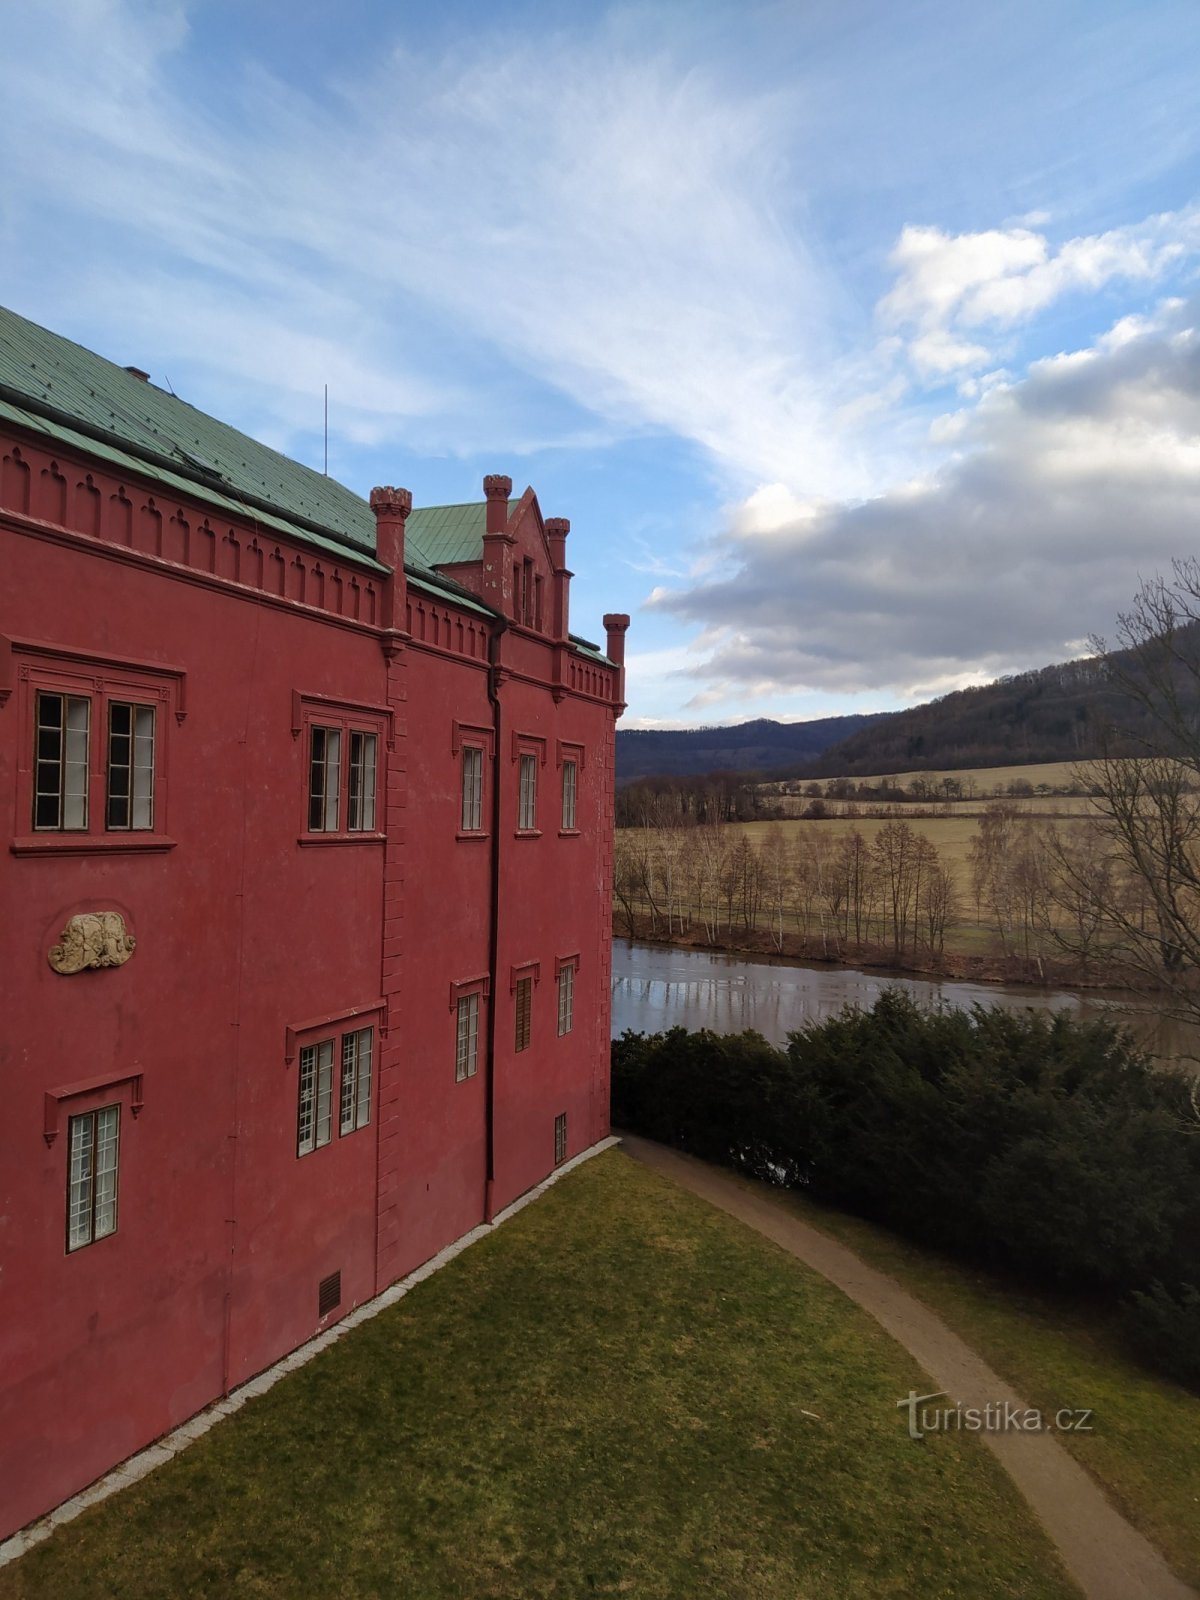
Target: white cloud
(1063, 489)
(951, 288)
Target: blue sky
(858, 341)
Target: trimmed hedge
(1052, 1147)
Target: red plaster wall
(242, 932)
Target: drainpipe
(494, 680)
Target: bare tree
(1147, 803)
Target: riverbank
(657, 985)
(1039, 972)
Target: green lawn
(620, 1392)
(1145, 1447)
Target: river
(662, 986)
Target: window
(472, 788)
(91, 772)
(342, 744)
(92, 1153)
(325, 779)
(560, 1139)
(566, 997)
(316, 1097)
(570, 773)
(524, 1012)
(130, 765)
(466, 1057)
(527, 810)
(62, 764)
(360, 808)
(324, 763)
(570, 756)
(315, 1119)
(60, 795)
(356, 1080)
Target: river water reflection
(659, 986)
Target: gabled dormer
(502, 551)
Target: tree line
(1043, 892)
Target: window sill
(341, 838)
(527, 833)
(570, 833)
(466, 836)
(87, 844)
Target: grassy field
(621, 1392)
(1145, 1447)
(990, 780)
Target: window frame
(44, 671)
(334, 1030)
(570, 796)
(524, 972)
(523, 1015)
(528, 755)
(565, 992)
(349, 720)
(467, 998)
(75, 1122)
(527, 787)
(560, 1138)
(569, 753)
(467, 736)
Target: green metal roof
(173, 480)
(55, 388)
(64, 383)
(443, 535)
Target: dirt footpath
(1106, 1555)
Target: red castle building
(306, 933)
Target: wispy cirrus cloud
(595, 216)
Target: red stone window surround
(105, 708)
(566, 969)
(523, 979)
(529, 756)
(343, 744)
(92, 1114)
(472, 745)
(468, 997)
(569, 754)
(336, 1083)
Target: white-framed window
(354, 1048)
(466, 1053)
(315, 1119)
(91, 767)
(570, 786)
(527, 807)
(355, 1106)
(343, 746)
(331, 749)
(560, 1139)
(324, 778)
(130, 765)
(63, 762)
(360, 782)
(93, 1158)
(566, 997)
(472, 788)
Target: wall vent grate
(329, 1293)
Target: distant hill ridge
(757, 746)
(1055, 713)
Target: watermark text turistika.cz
(997, 1416)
